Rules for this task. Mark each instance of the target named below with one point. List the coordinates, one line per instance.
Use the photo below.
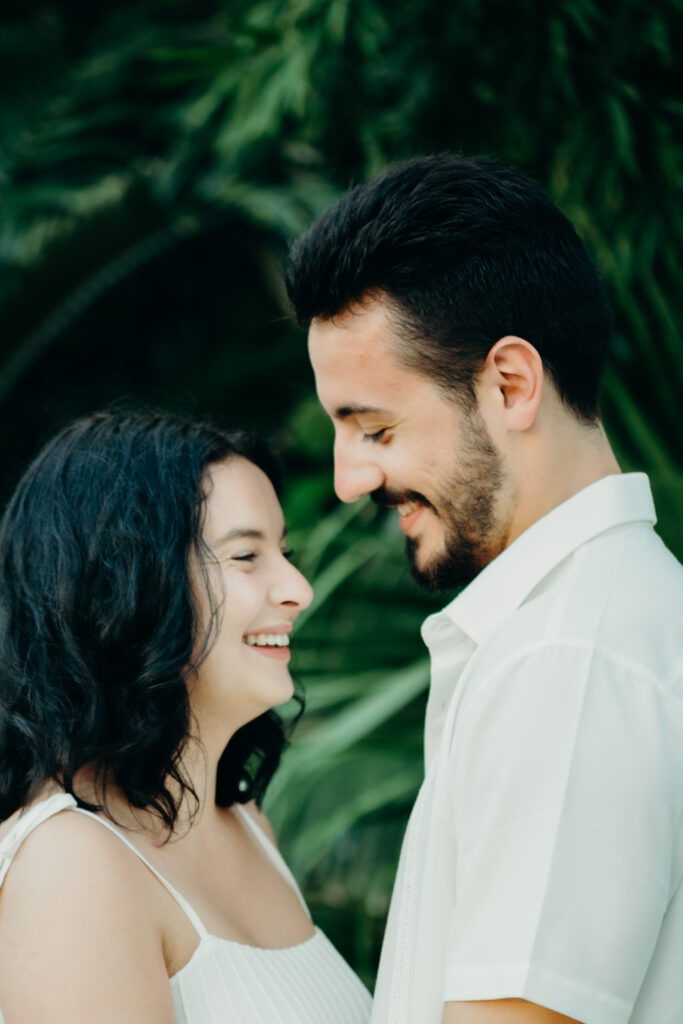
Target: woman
(146, 607)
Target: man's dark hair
(98, 620)
(466, 250)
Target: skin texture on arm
(77, 939)
(502, 1011)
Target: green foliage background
(157, 157)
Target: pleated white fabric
(226, 982)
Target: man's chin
(444, 571)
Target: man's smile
(409, 514)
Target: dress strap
(271, 850)
(180, 900)
(25, 824)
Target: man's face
(400, 440)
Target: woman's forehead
(240, 498)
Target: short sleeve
(566, 802)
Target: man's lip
(408, 522)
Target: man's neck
(556, 465)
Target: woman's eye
(244, 556)
(375, 437)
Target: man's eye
(375, 437)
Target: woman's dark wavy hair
(98, 626)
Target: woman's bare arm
(78, 940)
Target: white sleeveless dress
(226, 982)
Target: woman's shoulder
(68, 851)
(42, 799)
(75, 905)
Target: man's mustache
(387, 498)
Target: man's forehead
(362, 347)
(357, 370)
(363, 327)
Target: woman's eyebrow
(240, 533)
(244, 533)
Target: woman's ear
(513, 374)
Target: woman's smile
(272, 641)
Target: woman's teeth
(267, 639)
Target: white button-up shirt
(544, 856)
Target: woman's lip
(281, 627)
(274, 652)
(277, 653)
(408, 522)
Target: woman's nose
(292, 588)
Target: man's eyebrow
(354, 409)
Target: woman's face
(246, 671)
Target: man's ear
(513, 374)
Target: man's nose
(355, 475)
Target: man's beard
(473, 536)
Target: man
(458, 332)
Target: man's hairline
(462, 399)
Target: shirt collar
(502, 586)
